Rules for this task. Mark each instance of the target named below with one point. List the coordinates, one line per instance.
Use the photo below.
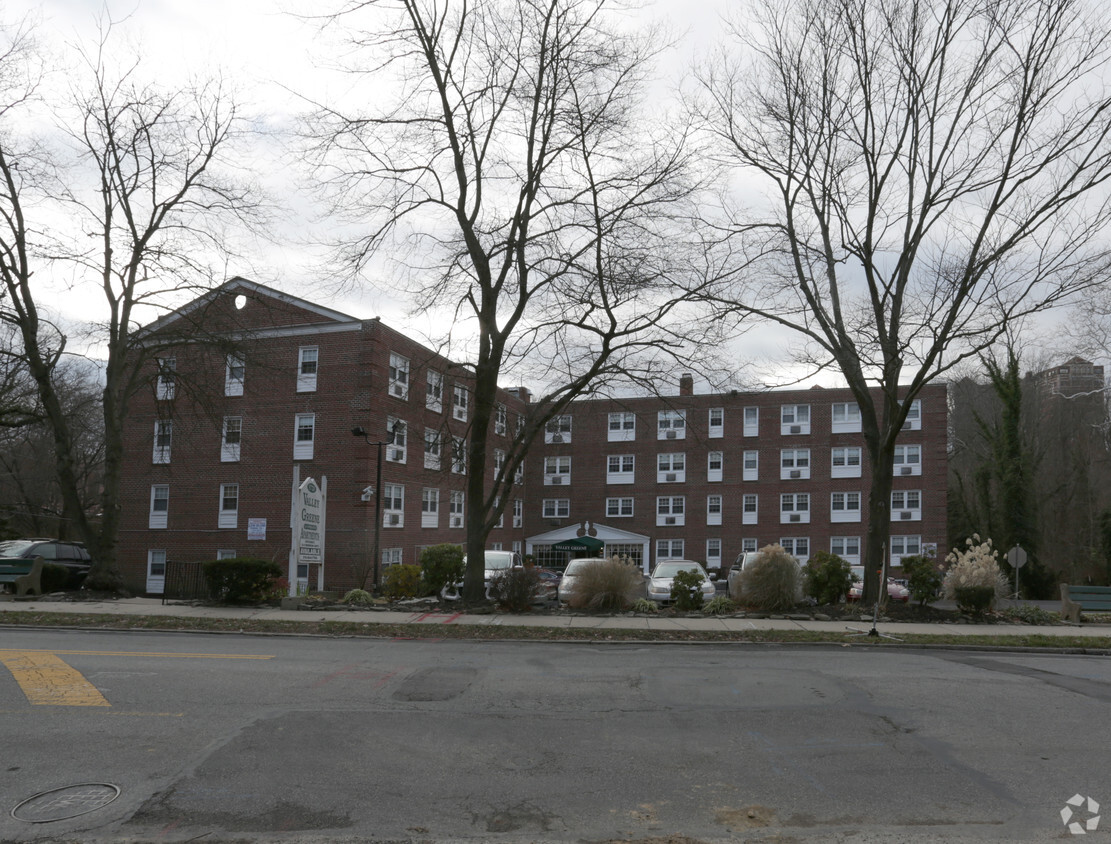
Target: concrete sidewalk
(154, 607)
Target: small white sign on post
(256, 529)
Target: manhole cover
(66, 802)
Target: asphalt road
(245, 738)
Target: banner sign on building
(256, 529)
(310, 523)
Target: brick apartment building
(231, 425)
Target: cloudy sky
(275, 58)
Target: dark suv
(72, 555)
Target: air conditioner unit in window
(905, 514)
(395, 519)
(457, 521)
(669, 477)
(796, 429)
(795, 517)
(670, 435)
(670, 520)
(398, 390)
(368, 494)
(557, 479)
(905, 470)
(460, 413)
(397, 454)
(796, 473)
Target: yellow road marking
(48, 681)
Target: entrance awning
(580, 543)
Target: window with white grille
(845, 418)
(671, 510)
(669, 549)
(399, 376)
(794, 464)
(458, 455)
(518, 512)
(620, 469)
(235, 373)
(431, 448)
(671, 468)
(908, 460)
(750, 471)
(794, 419)
(905, 546)
(304, 435)
(500, 417)
(231, 439)
(844, 507)
(163, 440)
(845, 462)
(846, 547)
(751, 422)
(622, 427)
(713, 509)
(396, 451)
(671, 424)
(619, 507)
(429, 508)
(308, 359)
(557, 471)
(393, 505)
(794, 507)
(167, 372)
(716, 422)
(159, 506)
(797, 546)
(455, 509)
(906, 505)
(749, 508)
(229, 506)
(713, 553)
(460, 401)
(714, 462)
(558, 430)
(556, 508)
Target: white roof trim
(604, 533)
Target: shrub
(54, 577)
(440, 565)
(358, 598)
(923, 577)
(1029, 614)
(515, 589)
(644, 605)
(771, 581)
(610, 585)
(401, 581)
(686, 590)
(828, 577)
(719, 605)
(241, 579)
(974, 580)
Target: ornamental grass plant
(610, 585)
(772, 581)
(974, 579)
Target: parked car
(895, 591)
(496, 563)
(574, 568)
(659, 582)
(549, 581)
(743, 561)
(72, 555)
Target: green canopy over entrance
(580, 543)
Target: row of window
(846, 547)
(906, 505)
(393, 507)
(794, 464)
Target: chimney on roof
(522, 393)
(686, 384)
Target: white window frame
(715, 422)
(434, 390)
(393, 505)
(166, 385)
(392, 557)
(844, 506)
(432, 447)
(792, 505)
(163, 440)
(905, 545)
(398, 384)
(715, 463)
(794, 464)
(751, 426)
(671, 425)
(671, 467)
(308, 364)
(501, 416)
(670, 549)
(228, 517)
(518, 513)
(226, 554)
(303, 447)
(235, 375)
(558, 429)
(620, 507)
(914, 416)
(231, 439)
(714, 505)
(456, 509)
(555, 508)
(843, 547)
(794, 419)
(519, 473)
(622, 427)
(620, 468)
(749, 544)
(671, 510)
(460, 399)
(458, 456)
(845, 461)
(156, 570)
(499, 462)
(750, 467)
(845, 417)
(906, 505)
(430, 507)
(159, 515)
(557, 471)
(750, 508)
(908, 460)
(797, 546)
(398, 450)
(713, 553)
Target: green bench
(24, 575)
(1077, 598)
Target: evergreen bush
(686, 590)
(924, 578)
(241, 580)
(401, 581)
(828, 577)
(440, 565)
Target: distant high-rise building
(1073, 377)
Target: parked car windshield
(499, 559)
(672, 569)
(576, 566)
(14, 547)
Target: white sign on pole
(310, 522)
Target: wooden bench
(1077, 598)
(24, 575)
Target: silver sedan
(659, 582)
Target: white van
(496, 563)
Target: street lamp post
(359, 431)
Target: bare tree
(936, 169)
(143, 197)
(533, 197)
